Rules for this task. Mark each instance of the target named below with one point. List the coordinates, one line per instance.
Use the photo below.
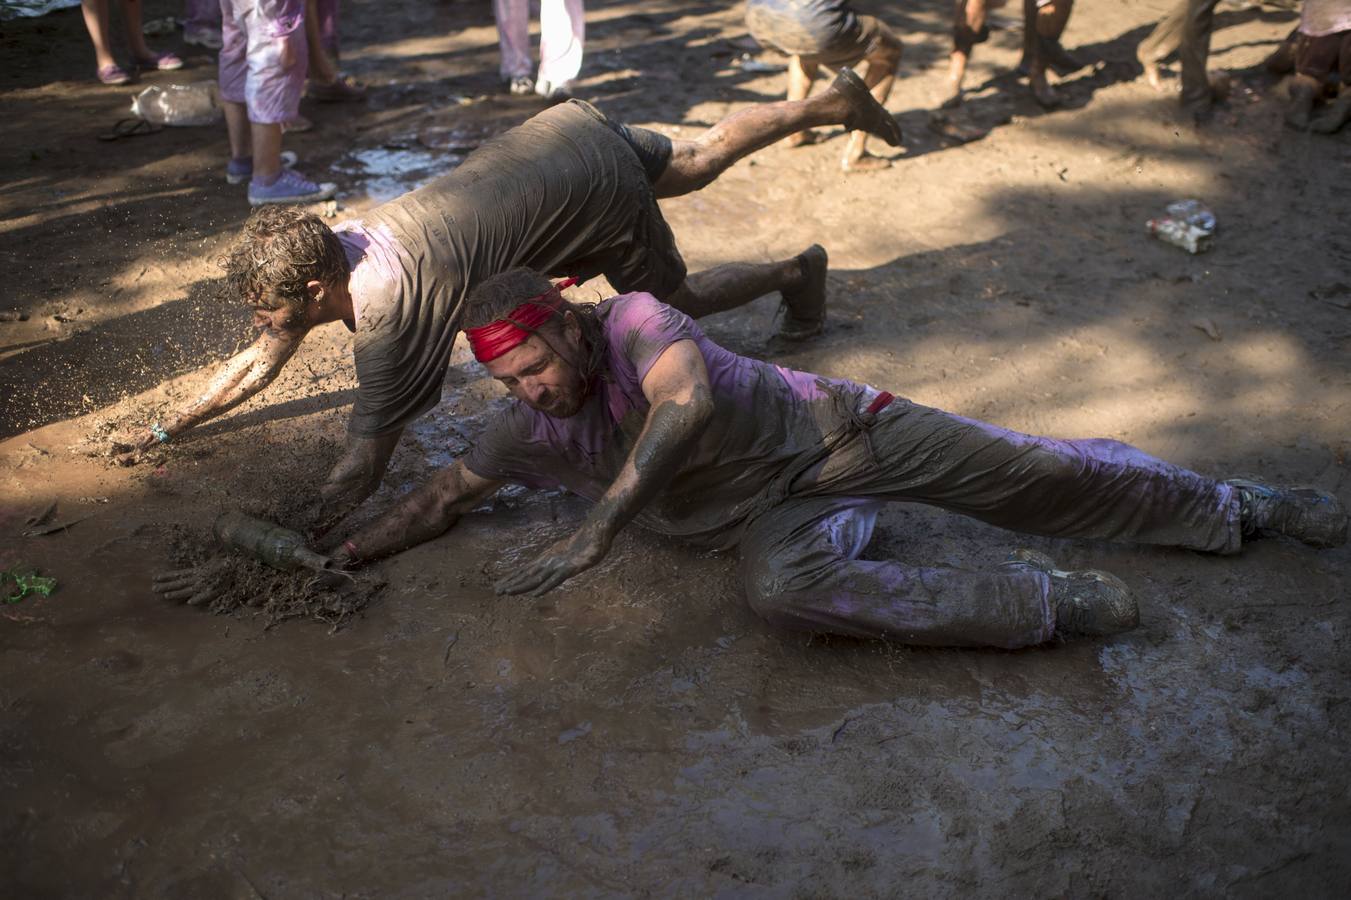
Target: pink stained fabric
(562, 25)
(1320, 17)
(263, 57)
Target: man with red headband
(569, 192)
(629, 405)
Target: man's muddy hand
(559, 563)
(195, 586)
(128, 450)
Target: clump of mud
(246, 584)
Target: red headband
(492, 340)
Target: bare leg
(846, 102)
(881, 75)
(800, 76)
(96, 20)
(322, 69)
(968, 29)
(266, 151)
(1162, 42)
(241, 133)
(1042, 38)
(734, 284)
(131, 18)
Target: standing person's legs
(1193, 52)
(1162, 42)
(96, 22)
(562, 38)
(881, 62)
(695, 164)
(968, 30)
(801, 73)
(513, 40)
(1041, 46)
(1338, 112)
(233, 68)
(800, 568)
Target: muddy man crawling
(629, 405)
(569, 192)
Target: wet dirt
(640, 731)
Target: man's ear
(316, 291)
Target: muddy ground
(641, 731)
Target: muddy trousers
(1185, 30)
(799, 559)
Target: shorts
(1324, 56)
(824, 32)
(263, 57)
(649, 261)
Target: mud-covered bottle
(268, 543)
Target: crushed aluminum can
(1189, 224)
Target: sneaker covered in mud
(805, 307)
(1305, 513)
(290, 187)
(866, 113)
(238, 171)
(1087, 601)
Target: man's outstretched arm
(681, 403)
(426, 513)
(355, 476)
(242, 376)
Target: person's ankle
(265, 180)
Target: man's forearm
(242, 377)
(672, 428)
(355, 477)
(426, 513)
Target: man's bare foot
(951, 97)
(1153, 75)
(865, 163)
(801, 139)
(805, 305)
(866, 113)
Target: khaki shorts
(831, 36)
(1324, 56)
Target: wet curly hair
(492, 298)
(282, 249)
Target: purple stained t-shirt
(765, 417)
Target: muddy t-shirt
(562, 194)
(765, 417)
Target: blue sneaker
(290, 187)
(241, 170)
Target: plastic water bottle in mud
(1189, 224)
(268, 543)
(179, 104)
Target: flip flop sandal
(159, 62)
(342, 90)
(125, 128)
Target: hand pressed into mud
(560, 562)
(130, 449)
(195, 586)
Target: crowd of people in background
(273, 53)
